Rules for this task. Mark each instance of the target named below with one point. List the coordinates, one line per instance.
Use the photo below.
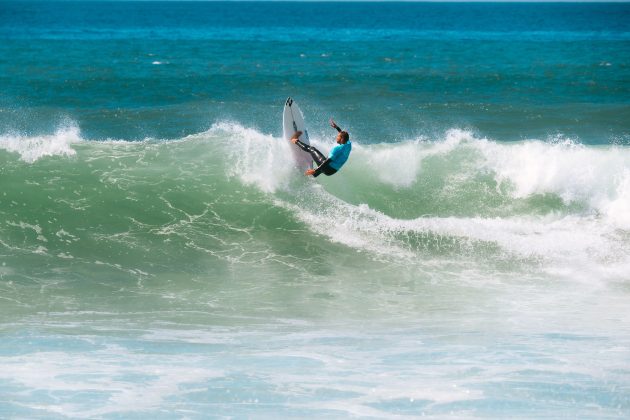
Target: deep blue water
(394, 70)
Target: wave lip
(596, 177)
(34, 148)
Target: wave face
(393, 200)
(192, 242)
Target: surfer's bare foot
(296, 136)
(309, 172)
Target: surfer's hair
(344, 136)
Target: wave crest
(33, 148)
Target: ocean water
(161, 257)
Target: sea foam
(33, 148)
(258, 159)
(596, 176)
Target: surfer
(336, 158)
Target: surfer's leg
(317, 156)
(303, 146)
(325, 169)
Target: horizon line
(323, 1)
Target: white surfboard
(292, 121)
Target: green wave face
(221, 223)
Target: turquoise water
(160, 256)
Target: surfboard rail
(293, 121)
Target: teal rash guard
(339, 155)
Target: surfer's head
(343, 137)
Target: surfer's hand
(309, 172)
(333, 124)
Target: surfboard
(292, 121)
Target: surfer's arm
(334, 125)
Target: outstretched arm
(334, 125)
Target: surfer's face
(341, 138)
